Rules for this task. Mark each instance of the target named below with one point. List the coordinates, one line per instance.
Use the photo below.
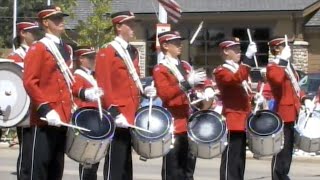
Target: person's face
(233, 53)
(276, 50)
(29, 36)
(88, 61)
(126, 30)
(174, 47)
(55, 24)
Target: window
(204, 52)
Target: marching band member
(117, 73)
(47, 82)
(86, 94)
(173, 78)
(27, 34)
(283, 81)
(231, 79)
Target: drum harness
(21, 51)
(234, 69)
(127, 61)
(62, 66)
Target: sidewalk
(297, 156)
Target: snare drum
(14, 100)
(207, 133)
(89, 147)
(307, 132)
(155, 144)
(265, 133)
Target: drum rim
(27, 102)
(278, 129)
(106, 135)
(219, 137)
(167, 130)
(297, 126)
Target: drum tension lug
(141, 158)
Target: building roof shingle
(147, 6)
(314, 21)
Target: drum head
(14, 101)
(159, 124)
(264, 123)
(206, 126)
(88, 117)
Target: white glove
(53, 118)
(93, 93)
(121, 121)
(259, 99)
(209, 93)
(251, 50)
(285, 53)
(197, 77)
(150, 91)
(309, 105)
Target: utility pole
(15, 4)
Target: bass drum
(89, 147)
(307, 134)
(207, 134)
(14, 100)
(265, 133)
(156, 144)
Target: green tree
(96, 30)
(26, 9)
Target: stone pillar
(300, 55)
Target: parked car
(310, 84)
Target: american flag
(173, 9)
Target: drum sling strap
(290, 73)
(86, 76)
(244, 83)
(21, 51)
(125, 55)
(177, 70)
(51, 46)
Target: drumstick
(200, 99)
(286, 40)
(196, 33)
(310, 112)
(99, 102)
(260, 93)
(69, 125)
(250, 41)
(139, 128)
(150, 107)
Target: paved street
(303, 168)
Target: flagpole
(14, 21)
(163, 18)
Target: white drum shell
(85, 150)
(307, 134)
(265, 145)
(152, 149)
(207, 150)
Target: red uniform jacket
(286, 100)
(15, 54)
(173, 98)
(119, 88)
(45, 85)
(78, 88)
(236, 102)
